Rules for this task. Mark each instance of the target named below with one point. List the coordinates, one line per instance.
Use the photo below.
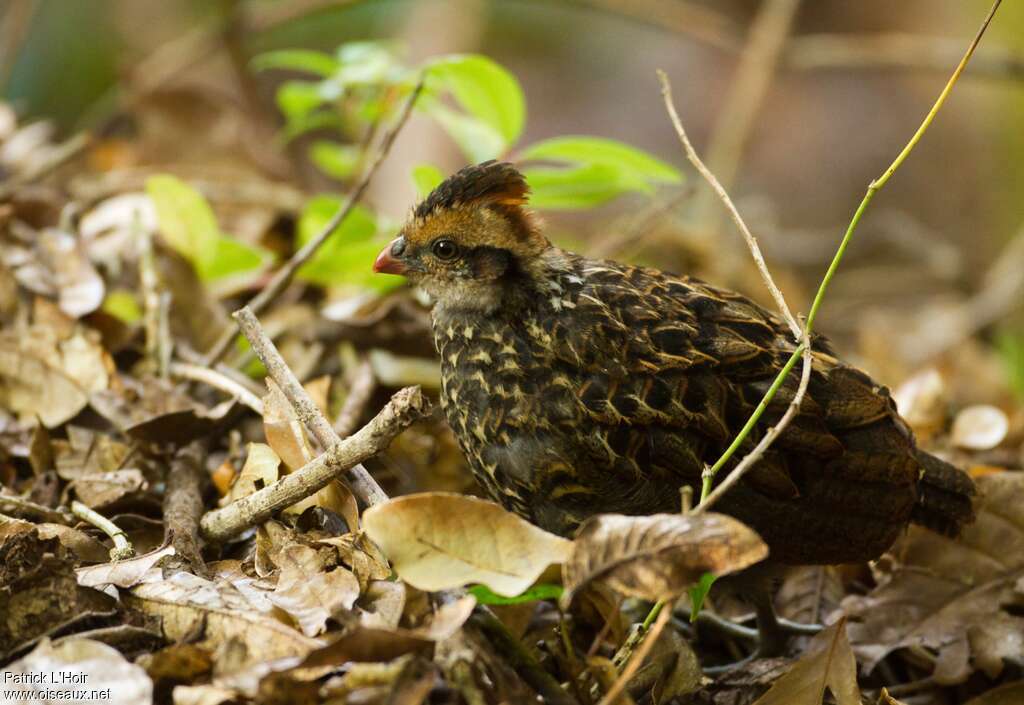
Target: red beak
(386, 263)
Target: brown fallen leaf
(100, 668)
(101, 489)
(945, 588)
(48, 375)
(658, 556)
(183, 601)
(123, 574)
(827, 663)
(310, 594)
(437, 540)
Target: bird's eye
(444, 249)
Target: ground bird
(577, 386)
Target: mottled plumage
(577, 386)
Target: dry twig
(217, 380)
(362, 484)
(284, 275)
(123, 548)
(183, 505)
(405, 407)
(637, 658)
(359, 394)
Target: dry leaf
(436, 541)
(260, 470)
(922, 401)
(183, 601)
(310, 594)
(45, 375)
(658, 556)
(945, 587)
(284, 432)
(828, 662)
(100, 668)
(123, 574)
(97, 490)
(979, 427)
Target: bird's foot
(769, 638)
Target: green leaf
(542, 591)
(580, 187)
(478, 140)
(315, 62)
(485, 90)
(698, 592)
(338, 161)
(123, 304)
(188, 225)
(426, 177)
(233, 257)
(297, 99)
(347, 255)
(187, 222)
(583, 150)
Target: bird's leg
(769, 638)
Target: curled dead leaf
(123, 574)
(438, 540)
(658, 556)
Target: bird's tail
(944, 496)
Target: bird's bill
(386, 263)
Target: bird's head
(470, 239)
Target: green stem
(708, 476)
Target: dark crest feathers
(489, 182)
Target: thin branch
(122, 549)
(284, 275)
(819, 297)
(405, 407)
(362, 484)
(755, 250)
(183, 506)
(637, 659)
(359, 394)
(219, 381)
(737, 473)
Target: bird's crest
(488, 183)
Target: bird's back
(605, 388)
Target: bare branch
(755, 250)
(737, 473)
(362, 484)
(123, 548)
(359, 394)
(183, 506)
(405, 407)
(284, 275)
(217, 380)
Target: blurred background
(795, 105)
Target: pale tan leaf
(100, 489)
(361, 555)
(184, 602)
(123, 574)
(922, 401)
(284, 432)
(203, 695)
(438, 540)
(310, 594)
(658, 556)
(100, 668)
(260, 470)
(828, 662)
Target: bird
(577, 387)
